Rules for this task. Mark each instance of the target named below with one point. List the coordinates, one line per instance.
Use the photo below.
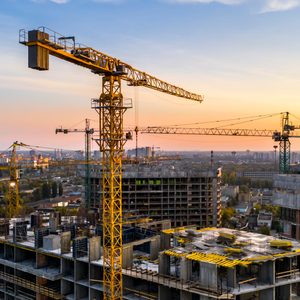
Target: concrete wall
(208, 275)
(65, 241)
(94, 248)
(127, 256)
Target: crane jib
(42, 44)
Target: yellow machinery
(281, 244)
(110, 107)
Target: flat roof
(229, 247)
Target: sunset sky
(242, 55)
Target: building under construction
(177, 190)
(61, 262)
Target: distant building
(182, 192)
(264, 219)
(266, 196)
(142, 152)
(287, 197)
(257, 175)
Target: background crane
(88, 140)
(111, 108)
(283, 136)
(13, 195)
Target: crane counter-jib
(42, 43)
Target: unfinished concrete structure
(222, 263)
(180, 191)
(287, 197)
(45, 264)
(181, 263)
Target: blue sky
(243, 55)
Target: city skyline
(241, 55)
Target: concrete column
(154, 247)
(165, 241)
(231, 277)
(164, 264)
(185, 269)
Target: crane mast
(13, 199)
(111, 108)
(87, 154)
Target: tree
(227, 214)
(54, 189)
(244, 189)
(264, 230)
(60, 189)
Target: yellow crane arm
(45, 42)
(208, 131)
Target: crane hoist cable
(221, 121)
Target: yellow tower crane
(88, 141)
(110, 107)
(283, 136)
(13, 206)
(13, 196)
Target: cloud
(267, 6)
(109, 1)
(226, 2)
(280, 5)
(53, 1)
(59, 1)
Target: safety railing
(290, 274)
(251, 281)
(43, 290)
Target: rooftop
(161, 169)
(229, 247)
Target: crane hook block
(38, 57)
